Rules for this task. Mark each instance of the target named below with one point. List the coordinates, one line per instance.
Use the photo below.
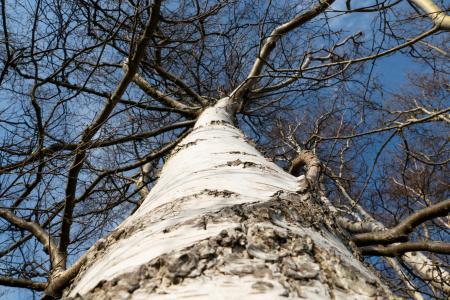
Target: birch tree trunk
(223, 222)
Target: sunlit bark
(224, 222)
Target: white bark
(141, 183)
(412, 290)
(223, 222)
(437, 15)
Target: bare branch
(269, 44)
(437, 15)
(401, 231)
(401, 248)
(93, 128)
(357, 226)
(180, 83)
(23, 283)
(164, 99)
(43, 237)
(311, 163)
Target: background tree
(96, 95)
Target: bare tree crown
(95, 95)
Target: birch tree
(175, 149)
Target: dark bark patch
(241, 153)
(245, 164)
(220, 122)
(262, 245)
(292, 259)
(262, 286)
(219, 193)
(185, 146)
(300, 267)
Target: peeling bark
(223, 222)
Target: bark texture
(225, 223)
